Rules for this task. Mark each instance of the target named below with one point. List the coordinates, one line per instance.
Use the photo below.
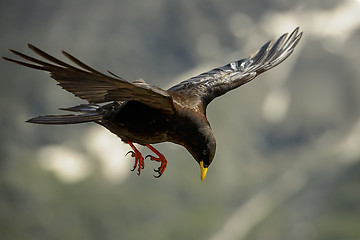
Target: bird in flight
(138, 112)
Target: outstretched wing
(218, 81)
(93, 86)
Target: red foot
(139, 160)
(160, 158)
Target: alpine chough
(138, 112)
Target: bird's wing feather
(93, 86)
(218, 81)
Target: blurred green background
(287, 163)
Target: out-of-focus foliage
(287, 163)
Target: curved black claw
(151, 158)
(132, 155)
(138, 173)
(155, 170)
(157, 175)
(159, 171)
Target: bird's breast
(139, 123)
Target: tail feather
(83, 108)
(65, 119)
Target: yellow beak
(203, 170)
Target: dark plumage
(138, 112)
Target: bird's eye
(204, 152)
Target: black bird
(138, 112)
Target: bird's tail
(88, 113)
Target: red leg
(160, 158)
(138, 158)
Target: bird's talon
(159, 158)
(139, 160)
(157, 176)
(132, 153)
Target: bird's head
(205, 157)
(203, 151)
